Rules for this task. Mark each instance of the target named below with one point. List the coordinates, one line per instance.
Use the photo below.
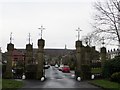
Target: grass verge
(7, 83)
(106, 84)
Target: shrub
(111, 66)
(115, 77)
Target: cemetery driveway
(58, 80)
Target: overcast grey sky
(60, 18)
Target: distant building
(59, 56)
(18, 57)
(112, 53)
(51, 55)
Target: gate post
(29, 54)
(103, 56)
(78, 57)
(8, 73)
(87, 55)
(29, 61)
(40, 69)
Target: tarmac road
(58, 80)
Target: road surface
(57, 79)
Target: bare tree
(88, 39)
(107, 20)
(93, 39)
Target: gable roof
(51, 52)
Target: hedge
(115, 77)
(111, 66)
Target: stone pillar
(40, 69)
(87, 55)
(8, 73)
(103, 56)
(29, 54)
(78, 57)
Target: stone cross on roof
(29, 38)
(78, 33)
(41, 30)
(11, 37)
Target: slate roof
(51, 52)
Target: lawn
(6, 83)
(106, 84)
